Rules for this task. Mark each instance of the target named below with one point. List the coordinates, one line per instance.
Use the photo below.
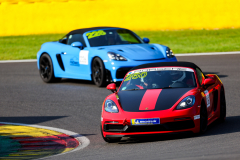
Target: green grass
(24, 47)
(182, 41)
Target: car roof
(168, 64)
(83, 30)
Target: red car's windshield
(151, 78)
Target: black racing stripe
(130, 100)
(168, 97)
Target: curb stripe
(83, 141)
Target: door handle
(63, 52)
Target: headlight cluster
(110, 106)
(169, 53)
(186, 102)
(116, 57)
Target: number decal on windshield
(95, 34)
(135, 76)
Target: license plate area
(145, 121)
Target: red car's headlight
(186, 102)
(110, 106)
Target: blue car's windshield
(111, 37)
(155, 78)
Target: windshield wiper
(163, 88)
(134, 89)
(166, 87)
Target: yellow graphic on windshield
(95, 34)
(135, 76)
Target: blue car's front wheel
(46, 69)
(98, 72)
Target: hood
(136, 51)
(150, 99)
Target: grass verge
(182, 41)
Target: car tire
(98, 72)
(203, 119)
(46, 69)
(110, 140)
(222, 106)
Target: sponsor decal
(74, 62)
(196, 117)
(135, 76)
(145, 121)
(83, 57)
(95, 34)
(207, 98)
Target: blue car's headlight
(116, 57)
(110, 106)
(186, 102)
(169, 53)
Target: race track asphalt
(75, 105)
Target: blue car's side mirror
(77, 44)
(146, 40)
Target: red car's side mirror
(112, 87)
(209, 81)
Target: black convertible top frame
(83, 30)
(167, 64)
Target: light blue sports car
(100, 54)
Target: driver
(177, 76)
(150, 82)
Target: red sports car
(162, 97)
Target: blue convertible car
(100, 54)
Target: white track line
(207, 54)
(177, 55)
(83, 141)
(19, 61)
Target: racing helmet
(177, 75)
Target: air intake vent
(60, 62)
(120, 50)
(152, 48)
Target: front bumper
(177, 121)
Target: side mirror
(64, 40)
(112, 87)
(146, 40)
(208, 82)
(77, 44)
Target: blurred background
(24, 17)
